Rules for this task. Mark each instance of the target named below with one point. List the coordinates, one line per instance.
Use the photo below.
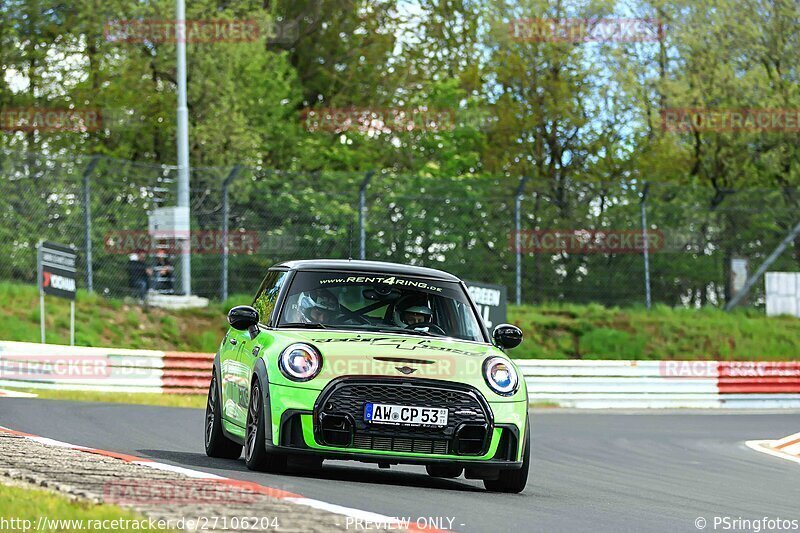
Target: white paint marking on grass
(766, 446)
(16, 394)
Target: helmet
(318, 306)
(406, 314)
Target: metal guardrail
(47, 366)
(601, 384)
(604, 384)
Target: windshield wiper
(306, 325)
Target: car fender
(218, 374)
(260, 373)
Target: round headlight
(500, 376)
(300, 362)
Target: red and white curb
(15, 394)
(785, 448)
(364, 517)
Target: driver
(319, 306)
(407, 315)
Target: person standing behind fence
(138, 277)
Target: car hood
(398, 355)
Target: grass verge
(25, 509)
(164, 400)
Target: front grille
(397, 444)
(348, 396)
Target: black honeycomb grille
(348, 397)
(399, 444)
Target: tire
(445, 471)
(217, 444)
(256, 456)
(513, 481)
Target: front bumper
(297, 412)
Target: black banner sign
(57, 270)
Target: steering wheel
(348, 314)
(430, 325)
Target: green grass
(140, 398)
(552, 331)
(25, 504)
(103, 322)
(594, 332)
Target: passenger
(319, 306)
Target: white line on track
(357, 514)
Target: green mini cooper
(373, 362)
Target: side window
(267, 294)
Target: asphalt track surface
(591, 471)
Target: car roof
(378, 267)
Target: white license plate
(381, 413)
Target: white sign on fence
(783, 293)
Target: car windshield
(380, 303)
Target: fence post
(225, 209)
(362, 215)
(643, 206)
(763, 267)
(87, 221)
(517, 238)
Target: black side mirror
(507, 336)
(242, 317)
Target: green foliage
(581, 120)
(552, 331)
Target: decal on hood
(400, 344)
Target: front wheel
(217, 444)
(256, 456)
(513, 481)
